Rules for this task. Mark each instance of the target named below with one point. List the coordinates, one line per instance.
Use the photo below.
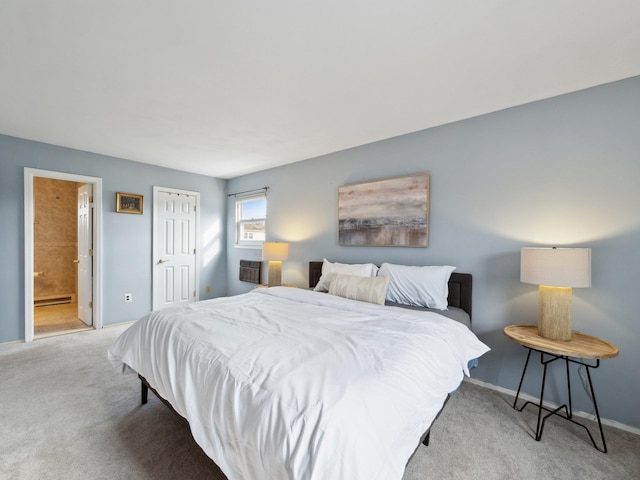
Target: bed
(290, 383)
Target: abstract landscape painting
(392, 212)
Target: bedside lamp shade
(556, 271)
(275, 253)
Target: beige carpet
(67, 414)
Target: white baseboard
(16, 342)
(530, 398)
(120, 324)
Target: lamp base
(275, 273)
(554, 313)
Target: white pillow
(328, 268)
(418, 286)
(364, 289)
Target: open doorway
(62, 249)
(62, 253)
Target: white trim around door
(29, 174)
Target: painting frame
(392, 212)
(129, 203)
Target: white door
(175, 226)
(85, 254)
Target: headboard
(460, 285)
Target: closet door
(175, 248)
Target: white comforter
(286, 383)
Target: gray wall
(127, 239)
(563, 171)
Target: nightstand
(580, 346)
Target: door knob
(162, 260)
(76, 261)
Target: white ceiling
(225, 88)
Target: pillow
(419, 286)
(364, 289)
(328, 268)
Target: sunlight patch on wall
(211, 243)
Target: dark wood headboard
(460, 285)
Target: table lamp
(556, 271)
(275, 253)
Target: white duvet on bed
(286, 383)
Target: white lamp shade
(275, 251)
(556, 267)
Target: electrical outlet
(127, 297)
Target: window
(251, 220)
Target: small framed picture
(128, 203)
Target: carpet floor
(65, 413)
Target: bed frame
(460, 289)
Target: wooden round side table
(580, 346)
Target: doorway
(62, 283)
(62, 253)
